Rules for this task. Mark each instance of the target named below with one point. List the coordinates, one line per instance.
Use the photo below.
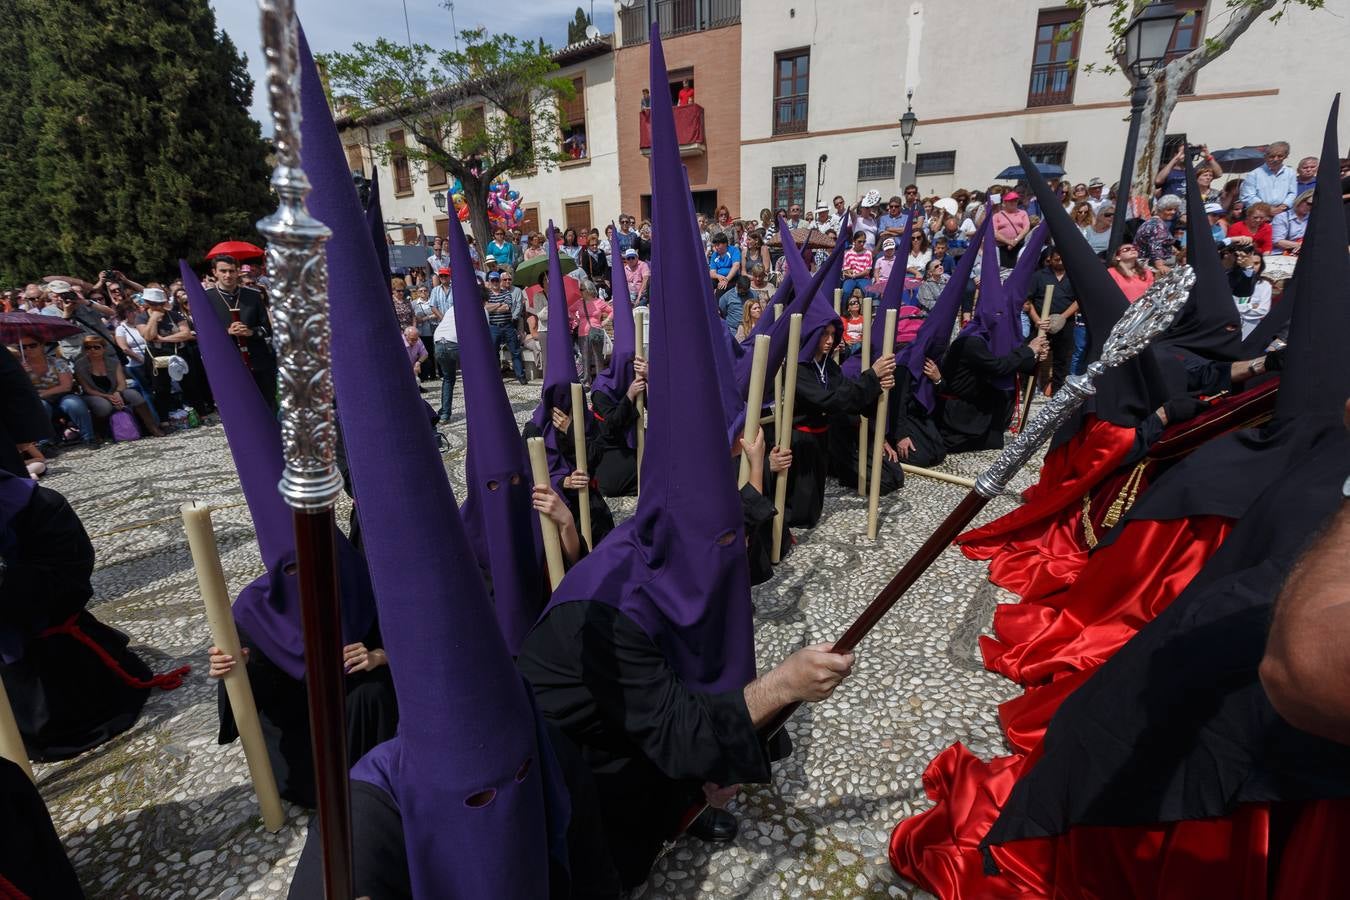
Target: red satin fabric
(1038, 548)
(939, 849)
(1121, 588)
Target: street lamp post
(439, 199)
(1145, 42)
(908, 122)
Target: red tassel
(9, 892)
(166, 681)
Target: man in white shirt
(1272, 183)
(446, 342)
(1095, 198)
(439, 258)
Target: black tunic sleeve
(839, 395)
(976, 355)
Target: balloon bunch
(503, 204)
(457, 197)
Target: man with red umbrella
(245, 308)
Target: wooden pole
(784, 432)
(640, 351)
(553, 556)
(11, 741)
(862, 420)
(838, 299)
(579, 445)
(778, 380)
(754, 402)
(879, 439)
(968, 483)
(1031, 384)
(201, 538)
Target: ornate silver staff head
(1141, 323)
(298, 283)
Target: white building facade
(828, 78)
(578, 192)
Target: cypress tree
(130, 142)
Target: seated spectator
(104, 384)
(724, 262)
(957, 239)
(940, 255)
(1129, 274)
(535, 245)
(857, 265)
(1287, 229)
(757, 252)
(883, 267)
(499, 248)
(867, 221)
(637, 273)
(1256, 225)
(1157, 246)
(1306, 173)
(760, 288)
(1274, 183)
(919, 255)
(934, 280)
(54, 380)
(1253, 293)
(750, 313)
(1098, 234)
(1218, 222)
(731, 304)
(853, 323)
(1082, 215)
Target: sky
(337, 24)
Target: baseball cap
(1213, 209)
(443, 270)
(1012, 195)
(494, 275)
(888, 244)
(630, 253)
(154, 295)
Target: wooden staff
(838, 299)
(11, 741)
(784, 431)
(759, 365)
(862, 420)
(216, 599)
(553, 554)
(968, 483)
(1035, 377)
(579, 445)
(778, 381)
(640, 352)
(879, 439)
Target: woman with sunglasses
(104, 383)
(1098, 233)
(54, 380)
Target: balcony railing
(1051, 85)
(789, 114)
(675, 17)
(688, 130)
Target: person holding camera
(250, 324)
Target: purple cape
(818, 309)
(499, 518)
(466, 769)
(269, 607)
(936, 331)
(678, 568)
(890, 299)
(616, 378)
(375, 222)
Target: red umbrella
(237, 249)
(17, 325)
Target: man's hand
(904, 447)
(577, 480)
(888, 452)
(561, 420)
(779, 460)
(812, 673)
(932, 372)
(754, 451)
(221, 662)
(239, 329)
(545, 500)
(636, 387)
(1040, 345)
(884, 369)
(640, 367)
(356, 658)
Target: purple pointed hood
(375, 222)
(559, 368)
(269, 607)
(465, 768)
(891, 298)
(936, 331)
(1015, 288)
(818, 309)
(615, 380)
(498, 514)
(994, 322)
(678, 567)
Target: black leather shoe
(715, 826)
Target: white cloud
(337, 24)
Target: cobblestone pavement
(162, 811)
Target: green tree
(576, 29)
(1232, 18)
(130, 145)
(487, 109)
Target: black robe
(253, 312)
(908, 419)
(758, 512)
(22, 418)
(974, 412)
(283, 713)
(65, 698)
(31, 856)
(649, 742)
(612, 461)
(821, 398)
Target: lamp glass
(439, 198)
(908, 122)
(1148, 36)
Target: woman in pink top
(857, 265)
(636, 273)
(589, 317)
(1011, 226)
(1132, 278)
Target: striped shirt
(858, 262)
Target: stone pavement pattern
(162, 811)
